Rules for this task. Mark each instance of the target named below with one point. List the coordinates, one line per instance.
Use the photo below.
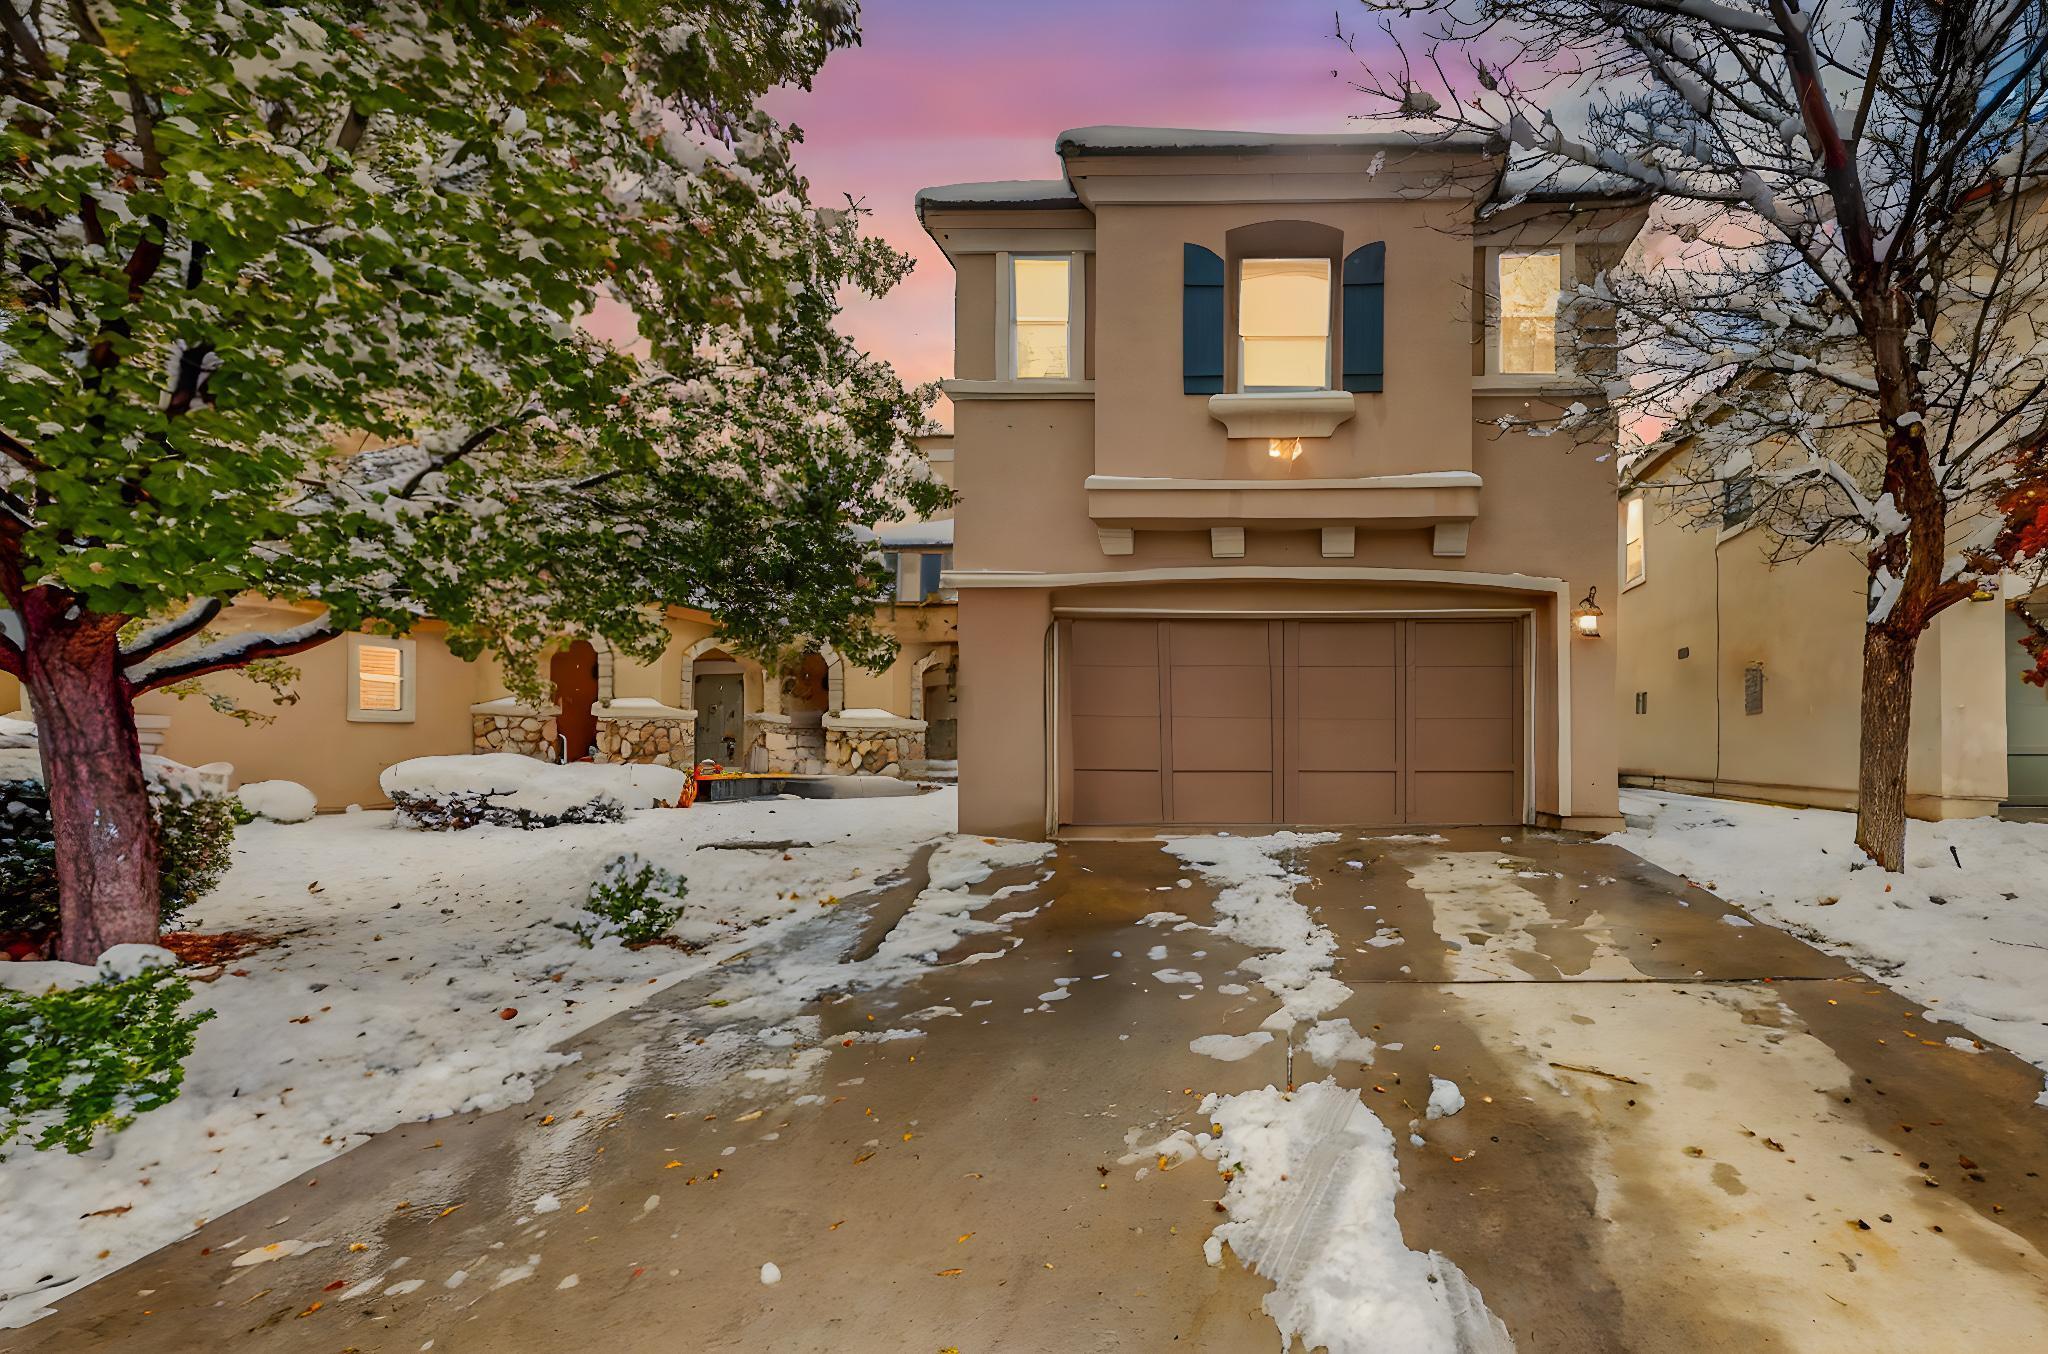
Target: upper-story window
(1283, 324)
(1634, 564)
(1530, 280)
(1041, 329)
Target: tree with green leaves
(297, 302)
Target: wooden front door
(574, 672)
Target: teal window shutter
(1365, 318)
(1201, 321)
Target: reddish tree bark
(99, 801)
(1886, 722)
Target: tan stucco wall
(1803, 621)
(10, 693)
(312, 740)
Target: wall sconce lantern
(1284, 448)
(1586, 615)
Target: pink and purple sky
(945, 91)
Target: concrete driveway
(1680, 1133)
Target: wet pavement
(1680, 1134)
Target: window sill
(1309, 413)
(1544, 382)
(1631, 584)
(957, 390)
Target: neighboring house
(1239, 540)
(363, 702)
(1744, 679)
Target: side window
(1738, 500)
(1283, 324)
(381, 679)
(1633, 562)
(1041, 304)
(1530, 280)
(909, 577)
(891, 562)
(928, 569)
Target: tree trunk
(99, 801)
(1887, 718)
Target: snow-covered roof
(1195, 141)
(1021, 193)
(917, 533)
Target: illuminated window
(1632, 543)
(1283, 324)
(1529, 284)
(1041, 300)
(380, 679)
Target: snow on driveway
(1963, 929)
(422, 975)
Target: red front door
(574, 671)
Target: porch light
(1586, 615)
(1284, 448)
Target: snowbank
(382, 1004)
(1962, 929)
(281, 801)
(1311, 1206)
(509, 790)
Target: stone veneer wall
(873, 750)
(665, 742)
(796, 749)
(529, 734)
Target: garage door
(1372, 722)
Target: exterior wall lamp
(1284, 448)
(1586, 616)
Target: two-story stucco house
(1240, 539)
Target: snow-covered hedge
(281, 801)
(195, 838)
(84, 1050)
(446, 794)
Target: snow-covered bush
(195, 840)
(634, 900)
(82, 1056)
(281, 801)
(446, 794)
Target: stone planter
(868, 745)
(502, 726)
(663, 735)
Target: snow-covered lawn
(1964, 929)
(421, 974)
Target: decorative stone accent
(660, 734)
(866, 745)
(505, 726)
(775, 743)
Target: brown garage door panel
(1470, 644)
(1117, 797)
(1457, 692)
(1345, 797)
(1241, 744)
(1346, 644)
(1210, 643)
(1116, 644)
(1119, 743)
(1469, 744)
(1347, 745)
(1462, 797)
(1238, 797)
(1343, 693)
(1098, 689)
(1236, 689)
